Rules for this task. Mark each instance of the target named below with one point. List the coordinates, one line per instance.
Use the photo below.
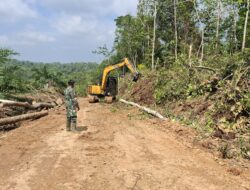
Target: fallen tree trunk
(42, 105)
(21, 99)
(15, 119)
(147, 110)
(15, 104)
(7, 103)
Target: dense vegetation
(24, 76)
(189, 44)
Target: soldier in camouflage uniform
(72, 106)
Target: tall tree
(245, 28)
(5, 55)
(218, 24)
(171, 29)
(129, 38)
(175, 30)
(235, 15)
(154, 37)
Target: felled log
(145, 109)
(21, 98)
(15, 119)
(6, 103)
(42, 105)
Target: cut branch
(15, 119)
(205, 68)
(147, 110)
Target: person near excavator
(72, 106)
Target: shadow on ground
(82, 128)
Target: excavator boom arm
(110, 68)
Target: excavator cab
(112, 87)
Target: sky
(60, 30)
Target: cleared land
(116, 149)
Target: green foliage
(129, 38)
(244, 147)
(226, 92)
(223, 33)
(103, 50)
(5, 55)
(24, 76)
(14, 80)
(233, 91)
(224, 149)
(171, 84)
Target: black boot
(68, 125)
(74, 124)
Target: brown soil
(114, 150)
(143, 91)
(191, 109)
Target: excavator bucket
(136, 77)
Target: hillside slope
(213, 108)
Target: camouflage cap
(71, 82)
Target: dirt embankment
(141, 92)
(116, 148)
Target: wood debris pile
(26, 108)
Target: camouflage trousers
(71, 123)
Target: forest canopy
(25, 76)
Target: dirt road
(116, 150)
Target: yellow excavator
(108, 87)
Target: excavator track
(109, 99)
(93, 99)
